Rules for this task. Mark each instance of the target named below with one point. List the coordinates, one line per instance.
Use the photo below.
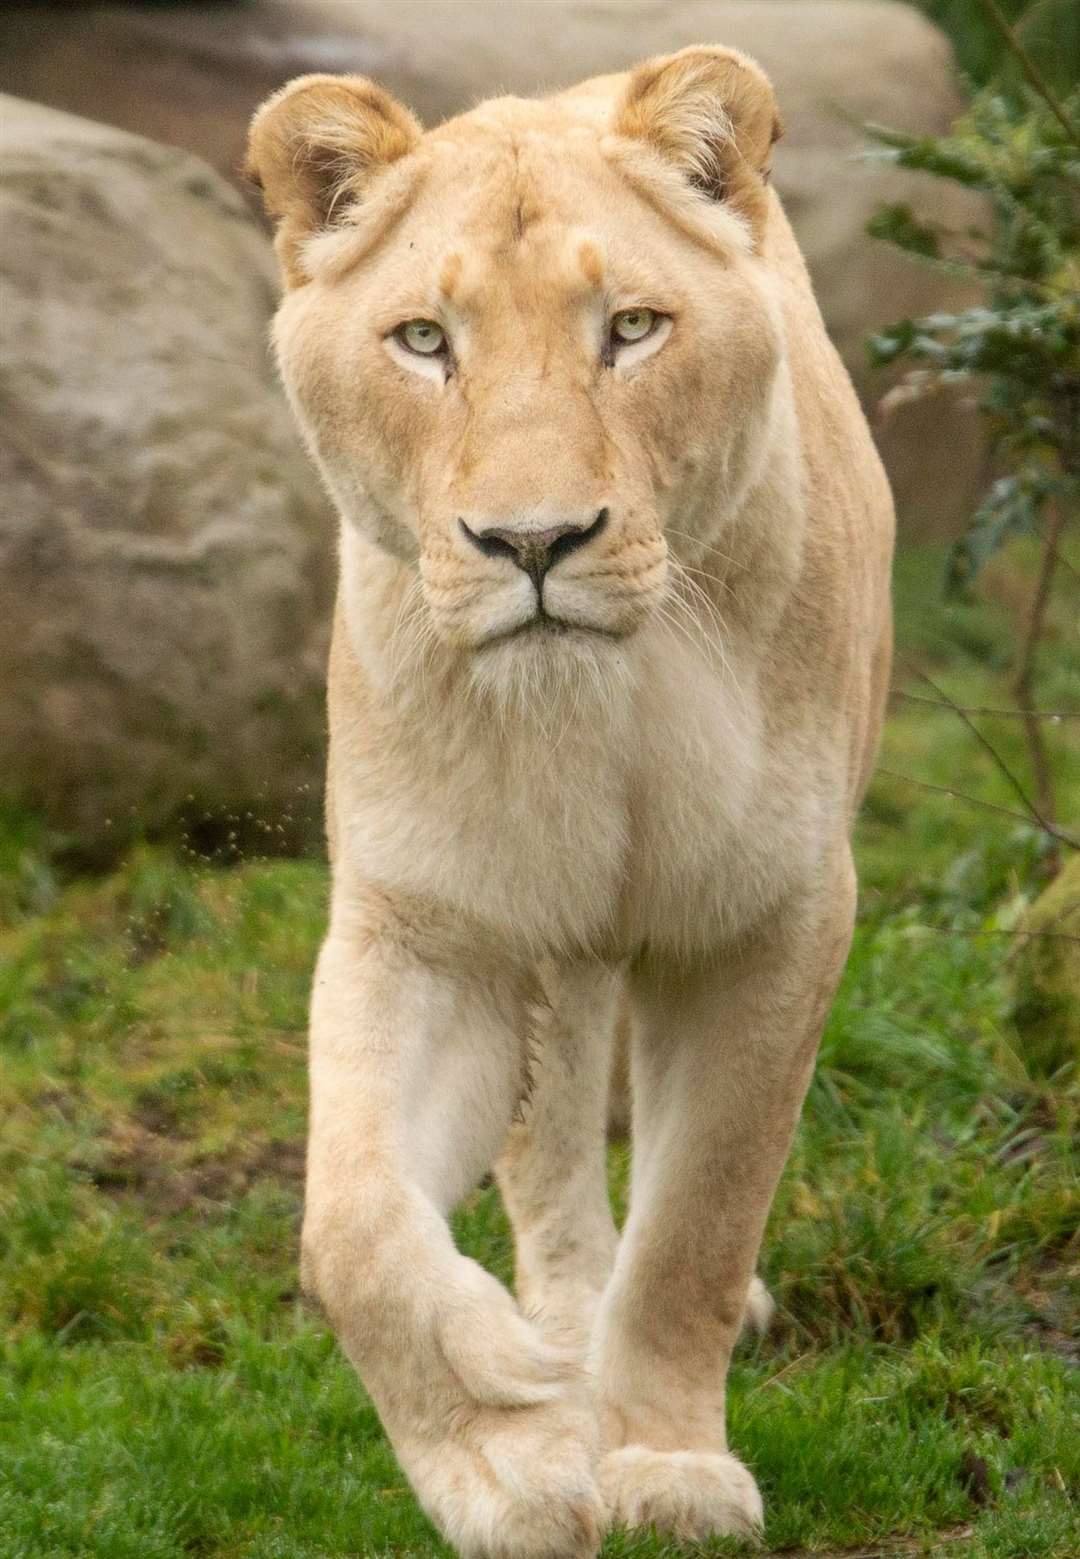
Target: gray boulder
(166, 557)
(193, 74)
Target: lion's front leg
(415, 1073)
(723, 1055)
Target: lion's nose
(535, 551)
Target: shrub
(1018, 348)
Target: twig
(1066, 913)
(1073, 469)
(994, 714)
(998, 931)
(1030, 69)
(771, 1380)
(1024, 685)
(1063, 561)
(972, 801)
(1035, 815)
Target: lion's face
(522, 361)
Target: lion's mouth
(543, 625)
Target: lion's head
(532, 350)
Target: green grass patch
(165, 1394)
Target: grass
(165, 1394)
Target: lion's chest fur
(648, 817)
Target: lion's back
(844, 608)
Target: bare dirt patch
(156, 1169)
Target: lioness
(609, 661)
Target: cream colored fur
(638, 821)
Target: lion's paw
(514, 1485)
(685, 1494)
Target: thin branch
(1031, 70)
(1035, 815)
(1025, 675)
(1063, 560)
(976, 801)
(998, 931)
(995, 714)
(1046, 930)
(786, 1369)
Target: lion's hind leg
(552, 1170)
(760, 1309)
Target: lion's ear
(711, 112)
(315, 145)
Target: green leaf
(1011, 508)
(898, 225)
(891, 343)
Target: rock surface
(166, 558)
(191, 75)
(1047, 976)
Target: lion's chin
(540, 662)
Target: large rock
(165, 554)
(1047, 976)
(192, 75)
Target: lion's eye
(633, 325)
(422, 336)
